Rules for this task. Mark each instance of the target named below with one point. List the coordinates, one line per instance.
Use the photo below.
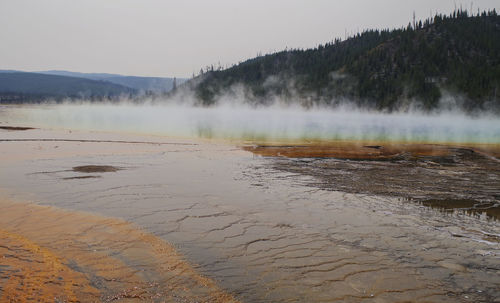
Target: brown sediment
(96, 169)
(451, 178)
(14, 128)
(368, 151)
(350, 150)
(51, 255)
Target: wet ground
(445, 177)
(51, 255)
(277, 229)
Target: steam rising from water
(258, 124)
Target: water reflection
(284, 229)
(269, 123)
(466, 206)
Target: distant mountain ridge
(384, 70)
(155, 85)
(19, 86)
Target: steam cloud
(240, 121)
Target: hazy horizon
(176, 39)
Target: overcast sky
(177, 38)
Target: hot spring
(244, 123)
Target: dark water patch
(467, 206)
(83, 169)
(93, 141)
(284, 225)
(81, 177)
(95, 169)
(14, 128)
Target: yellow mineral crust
(52, 255)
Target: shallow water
(51, 255)
(264, 233)
(456, 179)
(240, 122)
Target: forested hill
(384, 69)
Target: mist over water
(273, 123)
